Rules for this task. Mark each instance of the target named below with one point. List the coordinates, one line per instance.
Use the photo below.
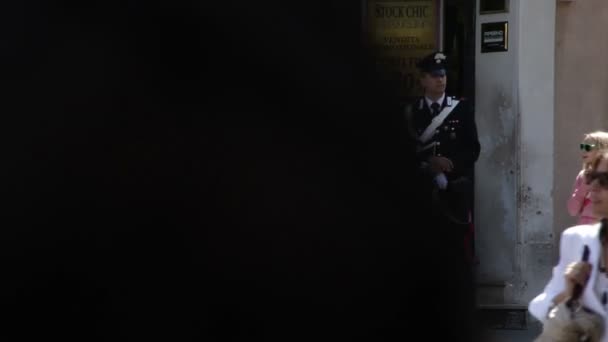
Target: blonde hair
(597, 138)
(601, 155)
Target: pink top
(578, 204)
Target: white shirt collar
(429, 102)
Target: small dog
(567, 324)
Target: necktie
(434, 109)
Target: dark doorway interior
(459, 44)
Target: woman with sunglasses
(591, 275)
(579, 203)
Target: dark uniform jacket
(456, 139)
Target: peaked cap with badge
(434, 63)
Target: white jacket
(571, 248)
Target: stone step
(504, 316)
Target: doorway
(459, 45)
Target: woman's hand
(576, 273)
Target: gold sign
(400, 34)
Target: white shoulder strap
(436, 122)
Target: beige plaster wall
(581, 91)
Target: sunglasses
(602, 178)
(587, 147)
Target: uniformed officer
(448, 147)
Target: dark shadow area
(189, 171)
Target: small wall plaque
(495, 37)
